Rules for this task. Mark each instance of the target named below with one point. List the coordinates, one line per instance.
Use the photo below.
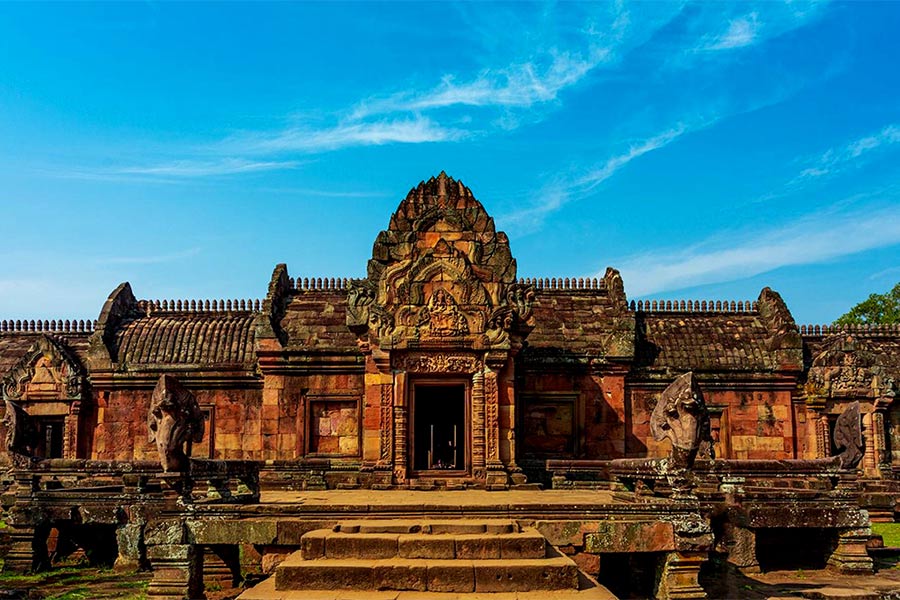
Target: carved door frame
(432, 380)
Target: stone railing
(51, 326)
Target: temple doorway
(439, 432)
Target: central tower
(439, 318)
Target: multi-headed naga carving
(21, 433)
(848, 436)
(681, 417)
(174, 423)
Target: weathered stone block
(364, 546)
(477, 547)
(427, 546)
(411, 576)
(451, 576)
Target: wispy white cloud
(814, 239)
(150, 259)
(562, 191)
(205, 168)
(741, 32)
(519, 86)
(174, 171)
(851, 154)
(411, 130)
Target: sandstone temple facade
(444, 367)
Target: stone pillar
(851, 556)
(177, 572)
(222, 566)
(869, 462)
(678, 576)
(269, 413)
(740, 543)
(26, 553)
(130, 542)
(496, 476)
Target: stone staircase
(423, 556)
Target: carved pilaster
(400, 415)
(882, 460)
(478, 449)
(387, 425)
(823, 438)
(491, 416)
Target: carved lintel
(439, 362)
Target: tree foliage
(877, 308)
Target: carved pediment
(440, 273)
(45, 372)
(850, 367)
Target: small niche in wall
(333, 426)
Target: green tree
(877, 308)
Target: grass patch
(79, 583)
(890, 532)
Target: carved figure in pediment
(21, 433)
(681, 416)
(441, 316)
(174, 423)
(848, 436)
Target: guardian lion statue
(174, 423)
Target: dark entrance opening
(50, 437)
(439, 427)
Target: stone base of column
(851, 556)
(24, 554)
(177, 572)
(679, 574)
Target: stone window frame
(574, 398)
(313, 398)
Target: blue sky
(705, 150)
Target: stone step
(458, 526)
(265, 590)
(328, 544)
(403, 574)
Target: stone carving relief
(681, 416)
(848, 437)
(440, 273)
(418, 362)
(174, 423)
(848, 367)
(21, 433)
(46, 371)
(441, 317)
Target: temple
(444, 369)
